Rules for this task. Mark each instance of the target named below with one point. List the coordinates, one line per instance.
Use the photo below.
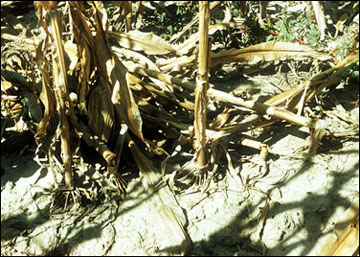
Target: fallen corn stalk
(228, 98)
(313, 86)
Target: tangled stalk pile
(140, 100)
(122, 91)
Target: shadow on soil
(21, 225)
(217, 243)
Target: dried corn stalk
(313, 86)
(60, 87)
(320, 17)
(201, 89)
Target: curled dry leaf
(115, 76)
(170, 210)
(125, 9)
(269, 51)
(176, 64)
(190, 43)
(140, 41)
(130, 57)
(327, 78)
(85, 44)
(47, 96)
(345, 239)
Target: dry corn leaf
(345, 241)
(269, 51)
(115, 76)
(125, 9)
(132, 56)
(220, 120)
(168, 208)
(72, 54)
(228, 98)
(135, 57)
(190, 43)
(85, 43)
(317, 83)
(227, 13)
(124, 101)
(176, 64)
(6, 85)
(155, 88)
(136, 40)
(47, 96)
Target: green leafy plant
(296, 29)
(168, 25)
(313, 35)
(284, 28)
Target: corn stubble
(123, 91)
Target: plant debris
(140, 101)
